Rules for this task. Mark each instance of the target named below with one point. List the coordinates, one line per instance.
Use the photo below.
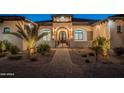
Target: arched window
(48, 36)
(80, 35)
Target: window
(48, 36)
(6, 30)
(119, 29)
(78, 35)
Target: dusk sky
(41, 17)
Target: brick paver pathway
(61, 65)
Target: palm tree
(101, 45)
(29, 35)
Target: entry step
(62, 45)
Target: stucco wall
(101, 29)
(86, 28)
(45, 27)
(80, 44)
(117, 39)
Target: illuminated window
(6, 30)
(80, 35)
(48, 36)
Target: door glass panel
(62, 36)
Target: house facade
(64, 28)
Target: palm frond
(23, 35)
(35, 29)
(28, 30)
(22, 32)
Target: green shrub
(7, 44)
(2, 47)
(10, 47)
(42, 48)
(14, 50)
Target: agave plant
(29, 35)
(101, 45)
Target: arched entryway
(62, 36)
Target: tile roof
(117, 15)
(12, 18)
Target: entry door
(62, 37)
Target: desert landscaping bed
(99, 69)
(25, 67)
